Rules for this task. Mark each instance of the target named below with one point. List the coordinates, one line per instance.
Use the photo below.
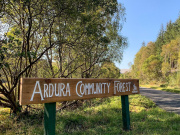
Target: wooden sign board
(39, 90)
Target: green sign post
(49, 118)
(125, 112)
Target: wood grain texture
(40, 90)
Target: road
(165, 100)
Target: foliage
(109, 70)
(166, 69)
(151, 67)
(178, 73)
(163, 87)
(144, 53)
(158, 61)
(100, 116)
(62, 39)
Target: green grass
(163, 88)
(21, 124)
(99, 116)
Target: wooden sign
(39, 90)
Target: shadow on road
(166, 100)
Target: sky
(144, 19)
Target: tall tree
(163, 51)
(56, 31)
(152, 67)
(160, 41)
(109, 70)
(178, 72)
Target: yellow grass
(4, 113)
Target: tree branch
(73, 70)
(65, 106)
(5, 105)
(5, 100)
(29, 66)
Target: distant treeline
(159, 61)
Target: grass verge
(163, 88)
(99, 116)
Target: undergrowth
(97, 116)
(163, 88)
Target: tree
(105, 44)
(166, 69)
(143, 44)
(109, 70)
(60, 32)
(170, 53)
(160, 40)
(152, 67)
(138, 61)
(178, 72)
(141, 56)
(164, 52)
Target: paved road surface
(166, 100)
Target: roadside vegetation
(158, 63)
(96, 116)
(163, 88)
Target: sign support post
(49, 118)
(125, 112)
